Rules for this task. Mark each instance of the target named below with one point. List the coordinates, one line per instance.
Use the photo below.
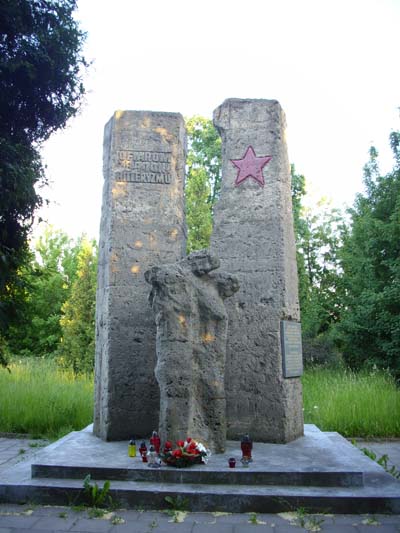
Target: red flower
(168, 445)
(191, 447)
(189, 440)
(177, 453)
(180, 443)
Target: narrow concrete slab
(320, 471)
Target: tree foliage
(203, 180)
(318, 233)
(298, 188)
(77, 344)
(56, 312)
(46, 281)
(369, 331)
(205, 152)
(40, 66)
(198, 210)
(40, 88)
(20, 169)
(319, 243)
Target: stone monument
(187, 300)
(253, 237)
(142, 224)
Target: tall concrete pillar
(142, 225)
(254, 239)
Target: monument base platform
(320, 471)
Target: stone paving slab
(45, 519)
(389, 448)
(15, 450)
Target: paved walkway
(36, 519)
(13, 450)
(384, 449)
(60, 519)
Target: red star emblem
(251, 166)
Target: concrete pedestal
(320, 472)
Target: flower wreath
(187, 453)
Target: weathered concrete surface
(187, 299)
(142, 224)
(316, 456)
(297, 464)
(253, 237)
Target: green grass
(364, 404)
(43, 400)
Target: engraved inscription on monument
(138, 166)
(292, 355)
(142, 225)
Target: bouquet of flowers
(187, 453)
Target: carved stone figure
(187, 301)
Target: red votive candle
(246, 446)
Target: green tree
(369, 331)
(198, 210)
(318, 233)
(46, 283)
(298, 187)
(319, 242)
(40, 88)
(12, 302)
(77, 345)
(203, 180)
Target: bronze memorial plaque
(292, 354)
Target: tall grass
(364, 404)
(39, 398)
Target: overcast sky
(333, 65)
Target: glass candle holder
(152, 458)
(143, 449)
(246, 445)
(155, 441)
(132, 448)
(245, 461)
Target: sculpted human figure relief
(187, 301)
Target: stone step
(308, 461)
(209, 498)
(308, 464)
(195, 475)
